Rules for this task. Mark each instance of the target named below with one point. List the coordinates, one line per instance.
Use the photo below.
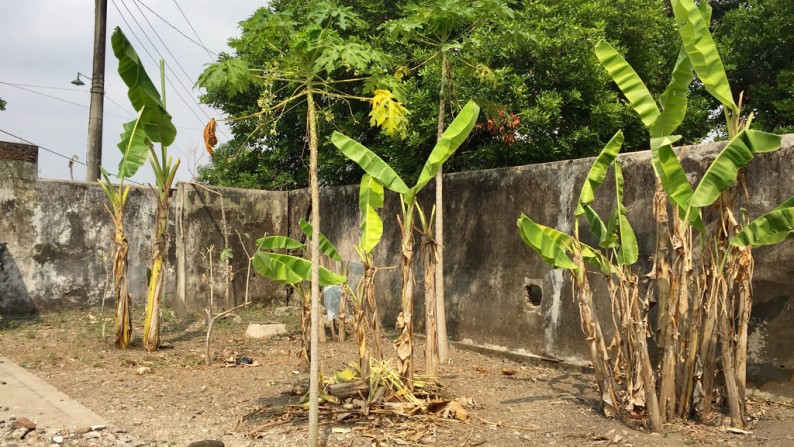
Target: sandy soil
(180, 400)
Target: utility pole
(94, 151)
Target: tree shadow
(16, 303)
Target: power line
(15, 84)
(71, 159)
(60, 99)
(209, 53)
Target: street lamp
(77, 80)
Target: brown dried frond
(209, 137)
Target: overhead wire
(211, 54)
(60, 99)
(71, 159)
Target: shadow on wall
(15, 301)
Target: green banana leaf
(629, 251)
(450, 140)
(278, 243)
(701, 49)
(771, 228)
(629, 82)
(288, 269)
(142, 92)
(549, 250)
(370, 163)
(674, 98)
(675, 182)
(722, 172)
(598, 172)
(591, 255)
(606, 234)
(134, 147)
(370, 199)
(326, 246)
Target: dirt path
(171, 398)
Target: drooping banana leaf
(370, 199)
(328, 248)
(598, 172)
(606, 234)
(142, 92)
(134, 147)
(722, 172)
(629, 251)
(370, 162)
(702, 51)
(675, 182)
(278, 243)
(771, 228)
(289, 270)
(549, 250)
(450, 140)
(629, 82)
(674, 98)
(593, 257)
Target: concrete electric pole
(94, 151)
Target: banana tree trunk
(151, 329)
(123, 318)
(405, 320)
(371, 307)
(708, 346)
(744, 279)
(431, 342)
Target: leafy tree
(759, 62)
(2, 104)
(553, 101)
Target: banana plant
(617, 252)
(295, 271)
(158, 128)
(372, 164)
(678, 300)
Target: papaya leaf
(388, 114)
(142, 92)
(326, 246)
(450, 140)
(230, 76)
(598, 172)
(674, 98)
(134, 147)
(549, 250)
(369, 201)
(771, 228)
(370, 163)
(722, 172)
(629, 82)
(278, 243)
(701, 49)
(629, 251)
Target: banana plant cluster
(152, 125)
(270, 262)
(704, 298)
(379, 170)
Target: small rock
(92, 435)
(143, 370)
(57, 439)
(98, 427)
(244, 361)
(24, 422)
(82, 430)
(259, 331)
(206, 443)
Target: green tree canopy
(544, 93)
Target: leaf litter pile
(379, 407)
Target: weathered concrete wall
(56, 240)
(54, 236)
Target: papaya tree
(443, 34)
(158, 128)
(372, 164)
(314, 60)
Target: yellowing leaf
(388, 113)
(345, 375)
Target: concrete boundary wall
(55, 242)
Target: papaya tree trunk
(440, 311)
(314, 249)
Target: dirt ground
(179, 400)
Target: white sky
(45, 43)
